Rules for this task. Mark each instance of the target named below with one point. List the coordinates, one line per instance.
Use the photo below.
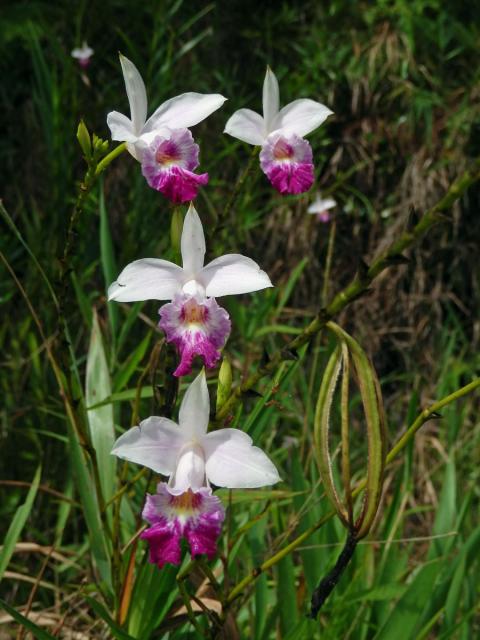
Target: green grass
(399, 76)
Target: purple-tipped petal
(288, 163)
(202, 531)
(164, 541)
(168, 165)
(196, 516)
(196, 328)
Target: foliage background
(403, 80)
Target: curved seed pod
(349, 350)
(322, 430)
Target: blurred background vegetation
(404, 82)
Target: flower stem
(328, 262)
(67, 359)
(393, 453)
(103, 164)
(240, 182)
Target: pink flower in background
(193, 321)
(184, 507)
(286, 158)
(83, 55)
(168, 122)
(168, 164)
(321, 208)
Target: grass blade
(37, 631)
(17, 524)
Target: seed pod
(348, 352)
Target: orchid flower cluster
(193, 459)
(165, 147)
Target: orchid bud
(84, 140)
(176, 228)
(224, 382)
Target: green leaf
(129, 367)
(91, 512)
(256, 540)
(107, 257)
(452, 605)
(17, 524)
(100, 420)
(37, 631)
(286, 291)
(254, 495)
(153, 595)
(287, 595)
(123, 396)
(303, 630)
(407, 611)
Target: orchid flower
(184, 507)
(286, 158)
(193, 321)
(83, 55)
(163, 143)
(320, 208)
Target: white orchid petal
(156, 444)
(271, 98)
(147, 279)
(301, 117)
(195, 408)
(233, 274)
(189, 470)
(233, 462)
(185, 110)
(137, 95)
(247, 126)
(192, 243)
(121, 127)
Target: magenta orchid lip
(196, 328)
(168, 164)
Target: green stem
(328, 261)
(393, 453)
(357, 286)
(188, 605)
(66, 353)
(103, 164)
(240, 182)
(125, 487)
